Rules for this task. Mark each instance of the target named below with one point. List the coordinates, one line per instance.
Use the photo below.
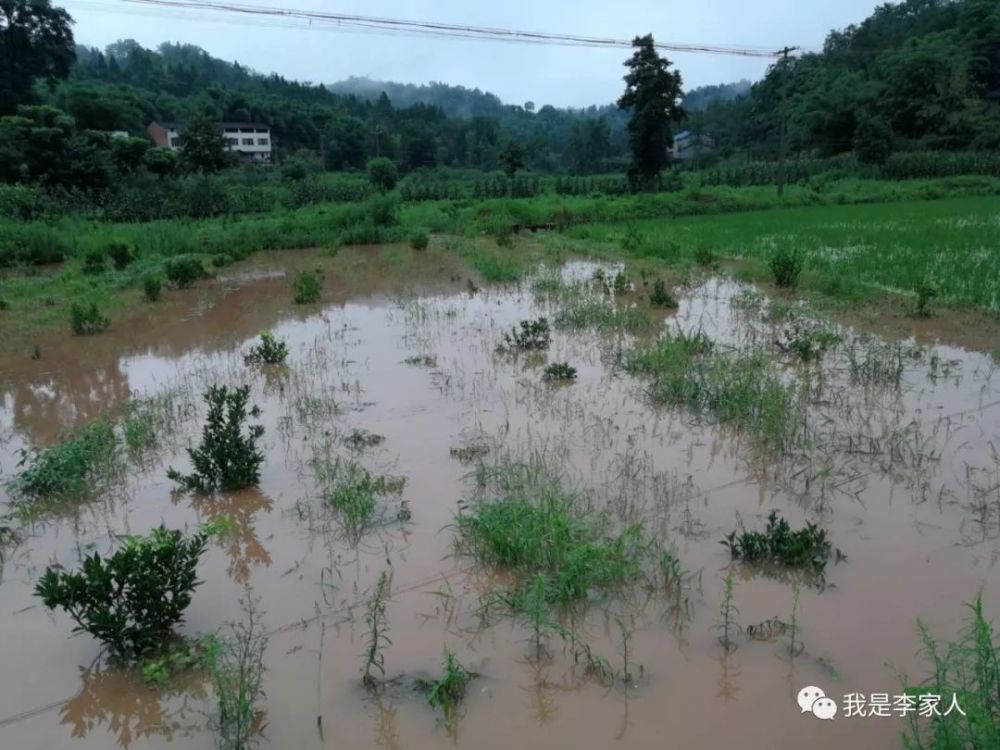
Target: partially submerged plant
(69, 467)
(132, 600)
(807, 548)
(969, 670)
(660, 297)
(237, 676)
(152, 287)
(730, 629)
(559, 371)
(419, 240)
(307, 287)
(373, 670)
(183, 655)
(184, 271)
(806, 340)
(449, 690)
(227, 459)
(270, 351)
(786, 265)
(354, 492)
(85, 320)
(528, 335)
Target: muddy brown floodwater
(904, 480)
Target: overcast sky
(561, 76)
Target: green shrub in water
(270, 351)
(806, 548)
(184, 271)
(786, 265)
(307, 286)
(85, 320)
(227, 459)
(132, 600)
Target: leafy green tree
(589, 145)
(128, 154)
(160, 161)
(383, 173)
(873, 140)
(35, 43)
(512, 159)
(344, 143)
(652, 94)
(203, 146)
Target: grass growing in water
(806, 548)
(541, 529)
(238, 675)
(378, 638)
(86, 320)
(307, 287)
(737, 388)
(68, 468)
(559, 371)
(600, 314)
(660, 297)
(528, 335)
(969, 669)
(354, 492)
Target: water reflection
(121, 704)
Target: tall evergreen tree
(652, 95)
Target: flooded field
(890, 447)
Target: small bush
(806, 548)
(419, 240)
(227, 459)
(307, 286)
(86, 320)
(806, 340)
(122, 254)
(237, 677)
(354, 493)
(184, 271)
(528, 335)
(152, 287)
(660, 297)
(132, 600)
(270, 351)
(559, 371)
(95, 262)
(383, 173)
(221, 260)
(786, 265)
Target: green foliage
(728, 626)
(528, 335)
(270, 351)
(603, 315)
(94, 262)
(307, 286)
(182, 272)
(968, 669)
(237, 667)
(448, 691)
(67, 468)
(152, 286)
(542, 531)
(807, 548)
(732, 387)
(559, 371)
(85, 320)
(227, 459)
(203, 146)
(36, 45)
(786, 265)
(652, 94)
(419, 239)
(383, 173)
(660, 297)
(512, 159)
(354, 492)
(179, 656)
(122, 253)
(807, 340)
(132, 600)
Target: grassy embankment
(857, 237)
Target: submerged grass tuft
(738, 388)
(807, 548)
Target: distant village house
(251, 140)
(688, 145)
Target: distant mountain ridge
(453, 100)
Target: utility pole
(783, 115)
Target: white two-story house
(251, 140)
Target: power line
(434, 29)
